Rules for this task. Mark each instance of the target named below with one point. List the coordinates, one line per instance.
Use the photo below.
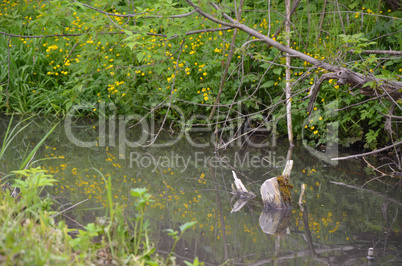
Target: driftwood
(275, 192)
(240, 190)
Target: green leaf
(140, 56)
(268, 84)
(185, 226)
(277, 71)
(138, 192)
(371, 136)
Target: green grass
(29, 234)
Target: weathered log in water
(275, 192)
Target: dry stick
(225, 73)
(8, 72)
(322, 20)
(303, 188)
(170, 99)
(308, 24)
(360, 103)
(391, 116)
(382, 36)
(294, 6)
(367, 153)
(69, 208)
(340, 16)
(288, 88)
(230, 56)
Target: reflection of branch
(368, 153)
(307, 230)
(375, 169)
(304, 253)
(303, 188)
(220, 214)
(368, 190)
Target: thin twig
(69, 208)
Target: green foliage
(358, 42)
(152, 60)
(176, 236)
(29, 234)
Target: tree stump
(275, 192)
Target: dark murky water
(191, 182)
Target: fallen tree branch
(357, 80)
(343, 75)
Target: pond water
(190, 181)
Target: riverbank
(30, 235)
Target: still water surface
(189, 181)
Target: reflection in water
(194, 183)
(275, 222)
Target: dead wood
(357, 80)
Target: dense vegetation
(163, 60)
(139, 58)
